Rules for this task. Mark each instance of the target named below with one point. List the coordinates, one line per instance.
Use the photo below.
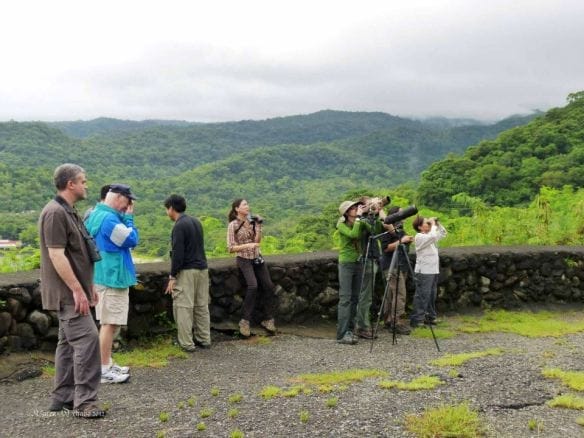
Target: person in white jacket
(429, 232)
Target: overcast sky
(215, 60)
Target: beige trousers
(190, 307)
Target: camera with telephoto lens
(371, 206)
(400, 215)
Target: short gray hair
(65, 173)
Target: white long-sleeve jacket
(427, 261)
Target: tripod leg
(434, 336)
(383, 300)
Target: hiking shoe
(58, 405)
(111, 376)
(119, 369)
(202, 345)
(269, 325)
(244, 329)
(400, 329)
(188, 348)
(431, 321)
(348, 339)
(365, 333)
(89, 411)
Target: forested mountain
(106, 126)
(290, 168)
(511, 169)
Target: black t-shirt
(385, 260)
(188, 247)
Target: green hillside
(511, 169)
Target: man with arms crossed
(111, 223)
(66, 287)
(189, 277)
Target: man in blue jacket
(111, 224)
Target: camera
(372, 206)
(401, 215)
(252, 218)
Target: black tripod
(371, 220)
(400, 251)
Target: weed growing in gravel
(263, 340)
(215, 391)
(292, 392)
(201, 426)
(270, 391)
(233, 412)
(569, 401)
(164, 416)
(572, 379)
(180, 405)
(236, 434)
(425, 333)
(530, 324)
(331, 402)
(206, 412)
(455, 421)
(307, 391)
(304, 416)
(106, 406)
(548, 354)
(580, 421)
(160, 434)
(325, 389)
(339, 377)
(191, 401)
(458, 359)
(48, 371)
(153, 353)
(535, 425)
(454, 373)
(235, 398)
(418, 384)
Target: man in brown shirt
(66, 287)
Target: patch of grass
(191, 401)
(325, 389)
(160, 434)
(235, 398)
(535, 425)
(418, 384)
(48, 371)
(201, 426)
(215, 391)
(304, 416)
(236, 434)
(569, 401)
(548, 354)
(451, 360)
(572, 379)
(270, 391)
(206, 412)
(154, 353)
(263, 340)
(331, 402)
(339, 377)
(180, 405)
(292, 392)
(426, 333)
(445, 421)
(453, 373)
(164, 417)
(307, 391)
(529, 324)
(580, 421)
(106, 406)
(233, 412)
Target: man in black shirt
(189, 278)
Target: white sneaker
(111, 376)
(119, 369)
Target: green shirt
(350, 241)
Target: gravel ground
(507, 390)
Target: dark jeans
(254, 275)
(349, 283)
(425, 298)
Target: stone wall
(307, 287)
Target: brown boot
(244, 329)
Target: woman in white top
(429, 232)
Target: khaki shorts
(113, 305)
